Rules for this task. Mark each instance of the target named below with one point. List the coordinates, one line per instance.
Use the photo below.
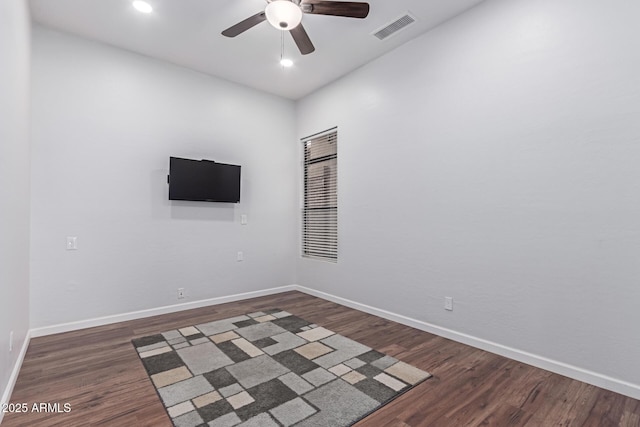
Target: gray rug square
(203, 358)
(285, 341)
(309, 376)
(296, 383)
(227, 420)
(184, 390)
(293, 411)
(256, 371)
(262, 420)
(318, 376)
(220, 326)
(337, 401)
(189, 419)
(345, 349)
(259, 331)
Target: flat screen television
(203, 181)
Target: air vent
(392, 28)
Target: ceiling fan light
(142, 6)
(283, 14)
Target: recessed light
(142, 6)
(286, 62)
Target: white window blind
(320, 205)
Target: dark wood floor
(98, 372)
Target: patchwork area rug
(268, 369)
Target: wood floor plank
(98, 372)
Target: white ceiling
(187, 33)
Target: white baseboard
(577, 373)
(6, 395)
(123, 317)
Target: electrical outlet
(448, 303)
(240, 256)
(180, 293)
(72, 243)
(11, 341)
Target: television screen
(203, 181)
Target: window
(320, 204)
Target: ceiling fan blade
(349, 9)
(243, 26)
(302, 40)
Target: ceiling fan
(286, 15)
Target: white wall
(496, 160)
(14, 187)
(105, 122)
